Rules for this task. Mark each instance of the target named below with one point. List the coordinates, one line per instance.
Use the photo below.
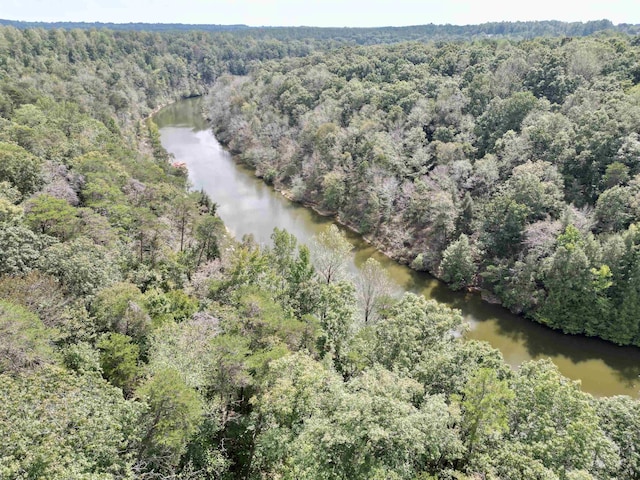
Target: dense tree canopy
(464, 159)
(137, 340)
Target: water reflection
(247, 205)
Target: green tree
(617, 173)
(627, 324)
(228, 372)
(551, 420)
(458, 267)
(375, 430)
(173, 414)
(549, 78)
(52, 216)
(82, 266)
(334, 190)
(149, 234)
(174, 305)
(185, 211)
(119, 361)
(24, 341)
(209, 231)
(411, 330)
(485, 405)
(295, 389)
(576, 294)
(503, 228)
(502, 116)
(56, 424)
(20, 248)
(20, 168)
(120, 308)
(619, 417)
(10, 214)
(337, 312)
(297, 277)
(539, 186)
(613, 209)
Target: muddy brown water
(248, 206)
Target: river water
(248, 206)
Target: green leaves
(313, 426)
(411, 329)
(172, 416)
(458, 267)
(20, 248)
(485, 405)
(271, 375)
(60, 425)
(24, 341)
(619, 417)
(82, 266)
(553, 421)
(52, 216)
(20, 168)
(336, 314)
(119, 361)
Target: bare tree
(330, 253)
(374, 289)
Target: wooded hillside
(138, 341)
(512, 166)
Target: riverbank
(402, 256)
(485, 295)
(247, 205)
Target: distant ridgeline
(154, 27)
(368, 35)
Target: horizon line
(243, 25)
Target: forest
(367, 36)
(138, 340)
(509, 166)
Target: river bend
(248, 206)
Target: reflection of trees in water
(538, 341)
(186, 113)
(534, 339)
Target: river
(248, 206)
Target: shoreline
(518, 338)
(486, 296)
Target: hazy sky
(356, 13)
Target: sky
(321, 13)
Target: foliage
(20, 248)
(119, 361)
(59, 425)
(485, 408)
(503, 141)
(82, 266)
(19, 168)
(457, 264)
(119, 308)
(552, 421)
(52, 216)
(374, 430)
(171, 419)
(138, 341)
(24, 341)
